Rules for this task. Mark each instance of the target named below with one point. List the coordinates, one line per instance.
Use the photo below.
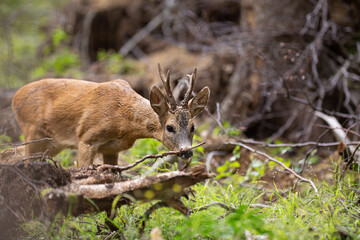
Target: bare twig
(295, 145)
(228, 208)
(27, 143)
(269, 157)
(220, 204)
(4, 203)
(276, 161)
(259, 205)
(351, 159)
(151, 26)
(356, 216)
(123, 168)
(287, 125)
(210, 157)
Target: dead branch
(15, 155)
(267, 156)
(259, 205)
(276, 161)
(354, 215)
(295, 145)
(351, 160)
(167, 187)
(220, 204)
(156, 156)
(50, 140)
(210, 157)
(106, 190)
(151, 26)
(227, 207)
(31, 190)
(286, 126)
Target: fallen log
(168, 187)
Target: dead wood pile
(269, 64)
(39, 190)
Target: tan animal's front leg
(86, 154)
(111, 159)
(32, 136)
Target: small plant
(4, 140)
(66, 158)
(59, 64)
(226, 129)
(22, 37)
(117, 64)
(59, 36)
(142, 147)
(59, 60)
(227, 169)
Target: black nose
(186, 155)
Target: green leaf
(234, 164)
(223, 168)
(59, 36)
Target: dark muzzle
(186, 155)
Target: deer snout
(186, 155)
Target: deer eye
(170, 129)
(192, 128)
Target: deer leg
(86, 154)
(111, 159)
(33, 147)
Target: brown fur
(96, 118)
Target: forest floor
(244, 183)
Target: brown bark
(167, 187)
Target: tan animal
(104, 117)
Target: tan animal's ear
(158, 101)
(199, 102)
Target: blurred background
(284, 77)
(270, 64)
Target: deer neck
(153, 129)
(149, 125)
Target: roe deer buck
(104, 117)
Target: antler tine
(166, 84)
(187, 97)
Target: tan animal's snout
(185, 139)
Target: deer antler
(187, 97)
(166, 84)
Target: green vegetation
(4, 140)
(290, 216)
(116, 64)
(21, 36)
(332, 214)
(25, 57)
(65, 158)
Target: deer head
(177, 125)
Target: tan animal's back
(70, 110)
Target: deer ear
(158, 101)
(199, 102)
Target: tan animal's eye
(192, 128)
(170, 129)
